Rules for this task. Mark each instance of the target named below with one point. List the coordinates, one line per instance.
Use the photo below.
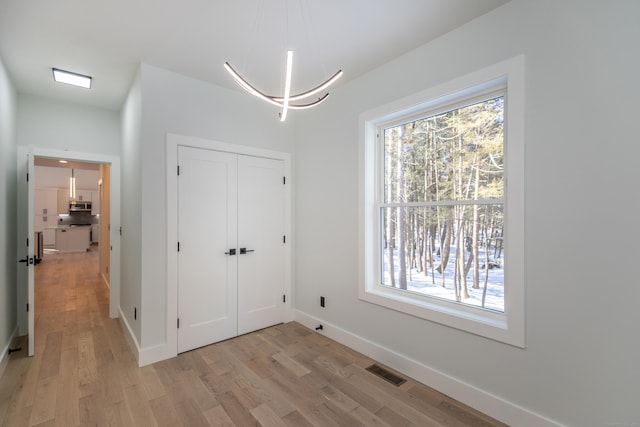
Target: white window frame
(507, 327)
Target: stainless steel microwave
(80, 207)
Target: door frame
(173, 142)
(114, 212)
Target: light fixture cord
(309, 30)
(286, 46)
(254, 36)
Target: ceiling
(109, 39)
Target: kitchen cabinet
(72, 239)
(46, 213)
(49, 236)
(46, 201)
(63, 200)
(46, 224)
(95, 203)
(95, 233)
(83, 195)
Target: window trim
(507, 327)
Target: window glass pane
(457, 155)
(450, 252)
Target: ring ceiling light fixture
(287, 101)
(284, 102)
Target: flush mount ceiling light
(287, 101)
(68, 77)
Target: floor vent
(386, 375)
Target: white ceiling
(107, 39)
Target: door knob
(245, 251)
(231, 252)
(27, 260)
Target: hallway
(77, 349)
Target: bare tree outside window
(442, 219)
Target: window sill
(486, 323)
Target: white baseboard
(149, 355)
(485, 402)
(129, 337)
(4, 359)
(156, 354)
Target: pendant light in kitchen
(72, 187)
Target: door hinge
(27, 307)
(178, 246)
(178, 323)
(27, 242)
(178, 170)
(27, 176)
(284, 298)
(121, 231)
(284, 239)
(284, 180)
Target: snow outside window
(443, 206)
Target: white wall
(48, 123)
(8, 253)
(579, 366)
(172, 103)
(130, 292)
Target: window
(442, 196)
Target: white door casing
(174, 141)
(30, 256)
(25, 227)
(227, 288)
(26, 245)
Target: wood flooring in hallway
(83, 373)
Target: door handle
(27, 260)
(231, 252)
(245, 251)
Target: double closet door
(231, 259)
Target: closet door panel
(207, 224)
(261, 270)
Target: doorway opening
(71, 232)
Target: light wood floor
(84, 375)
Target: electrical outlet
(321, 301)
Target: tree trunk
(402, 238)
(486, 259)
(462, 282)
(391, 229)
(445, 247)
(474, 231)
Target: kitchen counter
(72, 239)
